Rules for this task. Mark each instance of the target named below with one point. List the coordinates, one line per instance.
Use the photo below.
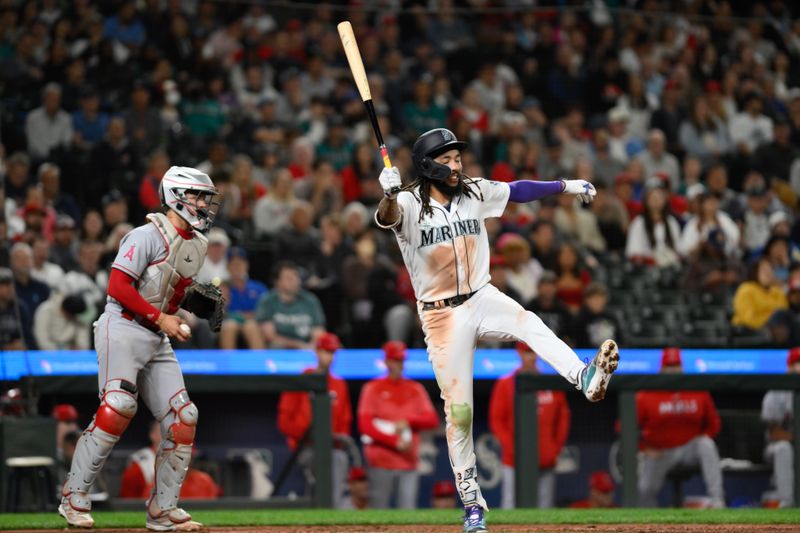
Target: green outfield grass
(311, 517)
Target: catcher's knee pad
(182, 430)
(117, 407)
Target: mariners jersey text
(439, 234)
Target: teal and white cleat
(597, 374)
(474, 522)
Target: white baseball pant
(653, 469)
(547, 488)
(451, 334)
(780, 454)
(383, 483)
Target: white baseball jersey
(447, 254)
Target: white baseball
(186, 329)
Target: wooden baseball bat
(360, 76)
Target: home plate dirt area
(455, 528)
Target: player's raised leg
(503, 318)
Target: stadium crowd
(688, 126)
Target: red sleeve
(347, 411)
(294, 416)
(120, 287)
(260, 190)
(501, 414)
(424, 416)
(148, 194)
(641, 408)
(712, 422)
(366, 403)
(563, 421)
(502, 172)
(482, 124)
(132, 484)
(351, 188)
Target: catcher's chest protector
(183, 261)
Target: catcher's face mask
(202, 205)
(192, 195)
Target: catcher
(151, 278)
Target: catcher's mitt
(205, 301)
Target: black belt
(455, 301)
(141, 321)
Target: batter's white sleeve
(140, 247)
(495, 197)
(409, 212)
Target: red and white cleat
(175, 520)
(74, 517)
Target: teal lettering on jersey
(429, 236)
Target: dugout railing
(320, 431)
(625, 388)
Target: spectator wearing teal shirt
(336, 148)
(203, 114)
(289, 316)
(423, 114)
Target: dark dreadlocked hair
(424, 195)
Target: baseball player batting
(150, 276)
(439, 224)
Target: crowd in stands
(688, 125)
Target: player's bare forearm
(388, 211)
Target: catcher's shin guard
(174, 454)
(114, 414)
(467, 485)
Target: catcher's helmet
(177, 181)
(429, 145)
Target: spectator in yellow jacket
(758, 297)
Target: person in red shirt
(601, 492)
(677, 429)
(443, 494)
(358, 483)
(139, 476)
(554, 419)
(392, 410)
(294, 417)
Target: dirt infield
(499, 528)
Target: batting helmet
(177, 181)
(429, 145)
